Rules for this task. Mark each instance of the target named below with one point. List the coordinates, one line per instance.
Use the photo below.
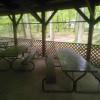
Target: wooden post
(90, 35)
(43, 34)
(15, 24)
(44, 24)
(14, 29)
(91, 21)
(91, 28)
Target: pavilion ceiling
(25, 6)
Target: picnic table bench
(50, 77)
(25, 63)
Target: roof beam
(12, 18)
(36, 16)
(51, 17)
(76, 7)
(15, 23)
(82, 14)
(20, 17)
(97, 20)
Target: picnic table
(10, 54)
(72, 62)
(13, 51)
(3, 44)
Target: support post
(91, 28)
(43, 34)
(44, 23)
(15, 24)
(15, 30)
(91, 21)
(90, 35)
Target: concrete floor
(27, 86)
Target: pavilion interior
(28, 85)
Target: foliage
(63, 22)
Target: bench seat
(25, 63)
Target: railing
(51, 45)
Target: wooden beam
(76, 7)
(36, 16)
(97, 20)
(51, 17)
(43, 34)
(89, 4)
(20, 17)
(14, 29)
(17, 21)
(82, 14)
(15, 24)
(10, 17)
(90, 34)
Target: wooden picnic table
(10, 54)
(71, 62)
(13, 51)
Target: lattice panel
(38, 45)
(24, 42)
(51, 47)
(78, 48)
(95, 55)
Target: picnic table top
(12, 51)
(71, 61)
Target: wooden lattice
(95, 55)
(51, 47)
(78, 48)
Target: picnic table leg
(76, 80)
(74, 89)
(10, 60)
